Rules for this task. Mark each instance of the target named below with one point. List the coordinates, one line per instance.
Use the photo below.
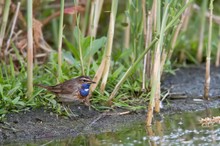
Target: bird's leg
(87, 102)
(68, 111)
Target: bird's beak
(92, 82)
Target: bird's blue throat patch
(84, 91)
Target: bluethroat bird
(76, 89)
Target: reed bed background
(126, 46)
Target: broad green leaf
(85, 44)
(72, 48)
(96, 45)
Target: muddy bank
(185, 88)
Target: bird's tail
(42, 86)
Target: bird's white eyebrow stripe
(86, 79)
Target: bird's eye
(84, 80)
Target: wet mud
(185, 93)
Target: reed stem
(86, 17)
(109, 44)
(208, 55)
(80, 47)
(218, 52)
(148, 55)
(4, 22)
(13, 27)
(202, 29)
(29, 48)
(157, 66)
(127, 29)
(95, 13)
(145, 39)
(60, 36)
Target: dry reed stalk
(163, 60)
(80, 50)
(86, 17)
(107, 56)
(1, 8)
(127, 34)
(217, 61)
(96, 8)
(154, 10)
(202, 29)
(145, 39)
(95, 12)
(147, 57)
(208, 55)
(12, 28)
(29, 48)
(4, 22)
(149, 39)
(98, 76)
(154, 20)
(158, 60)
(151, 17)
(156, 66)
(155, 93)
(187, 18)
(60, 39)
(127, 31)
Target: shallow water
(177, 129)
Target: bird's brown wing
(63, 88)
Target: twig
(20, 16)
(8, 127)
(166, 95)
(107, 114)
(56, 14)
(13, 26)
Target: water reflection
(177, 129)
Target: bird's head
(85, 82)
